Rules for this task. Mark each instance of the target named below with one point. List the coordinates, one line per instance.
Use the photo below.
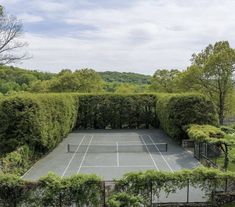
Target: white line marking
(117, 155)
(149, 153)
(168, 165)
(115, 166)
(84, 156)
(28, 170)
(70, 161)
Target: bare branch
(10, 31)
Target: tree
(164, 80)
(89, 81)
(10, 30)
(211, 73)
(84, 81)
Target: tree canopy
(211, 73)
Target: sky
(120, 35)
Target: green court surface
(112, 153)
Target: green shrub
(87, 190)
(227, 130)
(202, 133)
(11, 187)
(124, 200)
(17, 162)
(177, 110)
(117, 111)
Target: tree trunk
(221, 109)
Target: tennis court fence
(36, 195)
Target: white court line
(115, 166)
(70, 161)
(117, 155)
(84, 156)
(149, 153)
(168, 165)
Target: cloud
(29, 18)
(135, 35)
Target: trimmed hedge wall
(175, 111)
(117, 111)
(39, 121)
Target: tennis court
(112, 153)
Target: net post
(68, 148)
(166, 147)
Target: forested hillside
(124, 77)
(17, 79)
(13, 79)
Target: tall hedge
(117, 111)
(39, 121)
(174, 111)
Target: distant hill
(18, 79)
(124, 77)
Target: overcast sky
(123, 35)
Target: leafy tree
(125, 88)
(211, 73)
(84, 81)
(89, 81)
(164, 80)
(66, 82)
(10, 30)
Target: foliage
(84, 81)
(141, 183)
(211, 73)
(205, 133)
(124, 200)
(50, 190)
(227, 129)
(16, 162)
(16, 79)
(118, 77)
(131, 190)
(177, 110)
(11, 187)
(117, 111)
(164, 81)
(39, 121)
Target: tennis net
(115, 148)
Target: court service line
(70, 161)
(115, 166)
(149, 153)
(117, 155)
(168, 165)
(84, 156)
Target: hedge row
(117, 111)
(39, 121)
(52, 190)
(88, 190)
(175, 111)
